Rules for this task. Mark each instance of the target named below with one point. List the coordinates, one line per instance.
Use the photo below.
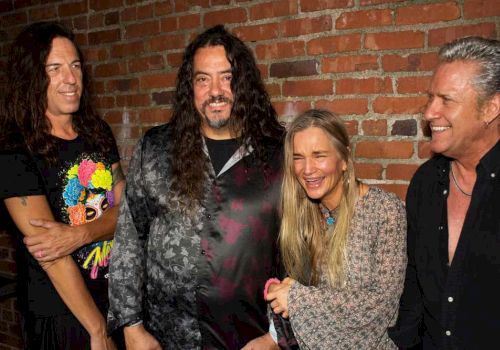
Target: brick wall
(368, 60)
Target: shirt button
(493, 175)
(209, 216)
(203, 252)
(450, 299)
(440, 228)
(448, 333)
(445, 191)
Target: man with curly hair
(197, 230)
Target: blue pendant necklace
(329, 218)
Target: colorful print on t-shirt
(87, 194)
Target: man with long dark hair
(197, 230)
(60, 182)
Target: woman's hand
(101, 342)
(278, 296)
(138, 338)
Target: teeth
(217, 104)
(68, 93)
(439, 128)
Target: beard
(217, 123)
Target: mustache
(217, 99)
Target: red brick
(167, 42)
(345, 106)
(280, 50)
(405, 127)
(104, 102)
(481, 8)
(112, 18)
(73, 9)
(400, 171)
(155, 115)
(110, 69)
(413, 62)
(363, 86)
(408, 85)
(438, 37)
(44, 13)
(145, 64)
(104, 36)
(368, 170)
(308, 88)
(175, 59)
(127, 49)
(351, 126)
(274, 90)
(394, 40)
(376, 2)
(318, 5)
(291, 108)
(427, 13)
(128, 14)
(98, 87)
(168, 24)
(220, 2)
(258, 32)
(302, 26)
(123, 85)
(189, 21)
(81, 39)
(399, 105)
(120, 117)
(136, 100)
(104, 4)
(363, 19)
(95, 54)
(293, 69)
(399, 189)
(160, 80)
(145, 11)
(163, 8)
(277, 8)
(186, 5)
(14, 19)
(333, 44)
(341, 64)
(234, 15)
(424, 150)
(374, 127)
(140, 30)
(80, 23)
(384, 149)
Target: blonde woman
(343, 243)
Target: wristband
(268, 283)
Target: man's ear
(491, 109)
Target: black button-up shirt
(456, 306)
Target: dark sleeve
(19, 176)
(406, 331)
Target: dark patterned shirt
(195, 276)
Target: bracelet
(268, 283)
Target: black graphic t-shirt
(79, 190)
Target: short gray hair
(486, 53)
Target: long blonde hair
(305, 246)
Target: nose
(431, 109)
(309, 167)
(215, 88)
(68, 75)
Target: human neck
(62, 126)
(217, 134)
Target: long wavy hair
(252, 117)
(25, 101)
(306, 248)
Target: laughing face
(455, 120)
(63, 68)
(213, 98)
(318, 166)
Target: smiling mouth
(439, 128)
(313, 182)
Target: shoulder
(430, 169)
(158, 135)
(382, 203)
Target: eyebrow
(205, 73)
(60, 64)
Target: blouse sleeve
(127, 264)
(357, 317)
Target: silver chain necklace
(456, 182)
